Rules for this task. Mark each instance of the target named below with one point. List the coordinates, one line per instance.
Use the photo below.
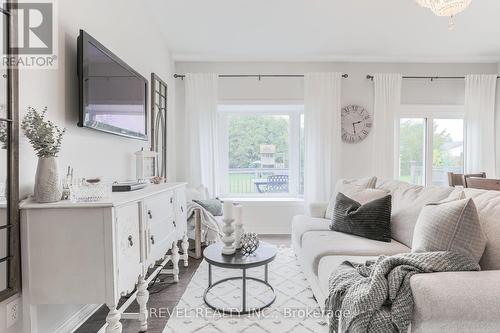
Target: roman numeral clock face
(356, 123)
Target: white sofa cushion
(327, 265)
(407, 202)
(450, 302)
(302, 224)
(488, 208)
(318, 244)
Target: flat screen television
(113, 96)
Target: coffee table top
(264, 254)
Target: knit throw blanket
(211, 231)
(376, 296)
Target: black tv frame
(82, 40)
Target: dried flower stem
(44, 135)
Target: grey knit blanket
(375, 297)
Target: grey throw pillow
(213, 206)
(450, 226)
(371, 220)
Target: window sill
(271, 201)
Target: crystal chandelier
(448, 8)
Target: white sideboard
(94, 253)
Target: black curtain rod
(258, 76)
(432, 78)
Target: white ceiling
(325, 30)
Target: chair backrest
(455, 179)
(277, 183)
(482, 183)
(458, 179)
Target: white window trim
(429, 112)
(289, 108)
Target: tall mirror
(9, 133)
(159, 123)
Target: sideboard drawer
(129, 246)
(160, 207)
(160, 238)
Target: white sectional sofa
(444, 302)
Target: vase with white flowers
(46, 139)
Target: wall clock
(356, 123)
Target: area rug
(294, 311)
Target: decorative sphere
(249, 242)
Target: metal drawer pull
(171, 200)
(173, 222)
(153, 239)
(149, 214)
(130, 241)
(182, 209)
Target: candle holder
(238, 232)
(238, 226)
(249, 243)
(228, 238)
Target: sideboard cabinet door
(180, 212)
(128, 242)
(159, 216)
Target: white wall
(355, 90)
(497, 123)
(124, 27)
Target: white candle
(239, 213)
(228, 209)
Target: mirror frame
(14, 249)
(156, 98)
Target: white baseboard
(76, 320)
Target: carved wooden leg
(113, 320)
(185, 249)
(142, 299)
(175, 261)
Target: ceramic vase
(48, 188)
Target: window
(431, 143)
(448, 149)
(412, 150)
(262, 150)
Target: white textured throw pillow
(450, 226)
(348, 187)
(367, 195)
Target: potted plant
(46, 139)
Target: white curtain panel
(322, 126)
(387, 100)
(201, 91)
(480, 94)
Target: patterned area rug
(294, 310)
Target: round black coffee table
(264, 254)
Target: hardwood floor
(164, 296)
